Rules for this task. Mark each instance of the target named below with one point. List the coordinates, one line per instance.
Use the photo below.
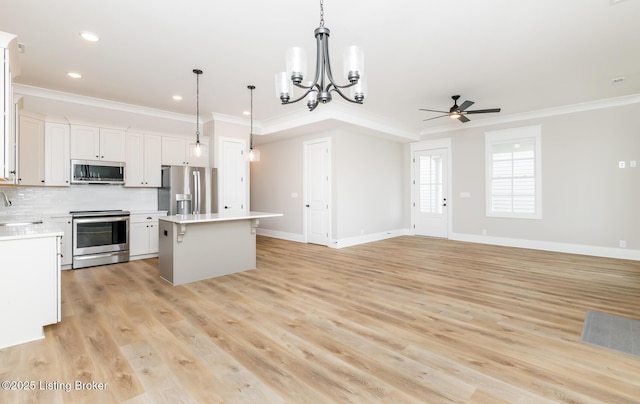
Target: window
(431, 182)
(513, 173)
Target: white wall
(586, 199)
(368, 185)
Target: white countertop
(148, 212)
(29, 231)
(217, 217)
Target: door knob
(306, 206)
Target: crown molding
(22, 89)
(542, 113)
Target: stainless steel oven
(100, 237)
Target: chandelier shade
(320, 87)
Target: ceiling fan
(459, 112)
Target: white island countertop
(216, 217)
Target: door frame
(305, 187)
(444, 143)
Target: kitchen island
(197, 247)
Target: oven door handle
(101, 219)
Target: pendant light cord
(251, 87)
(198, 72)
(198, 107)
(321, 13)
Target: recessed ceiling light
(246, 113)
(74, 75)
(90, 36)
(177, 97)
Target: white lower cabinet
(66, 250)
(143, 235)
(29, 288)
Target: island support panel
(196, 251)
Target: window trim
(513, 135)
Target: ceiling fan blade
(433, 110)
(435, 117)
(483, 111)
(466, 105)
(463, 119)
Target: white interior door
(317, 155)
(232, 175)
(430, 192)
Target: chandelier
(323, 84)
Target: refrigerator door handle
(196, 191)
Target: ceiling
(518, 55)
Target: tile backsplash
(45, 201)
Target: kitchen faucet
(7, 202)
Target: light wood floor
(408, 319)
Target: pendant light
(198, 150)
(254, 155)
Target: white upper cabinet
(31, 151)
(57, 165)
(43, 152)
(143, 160)
(177, 151)
(112, 145)
(92, 143)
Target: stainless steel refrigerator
(188, 190)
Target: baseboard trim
(607, 252)
(281, 235)
(366, 238)
(596, 251)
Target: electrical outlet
(621, 164)
(484, 232)
(623, 244)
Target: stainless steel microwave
(97, 172)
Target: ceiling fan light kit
(323, 83)
(459, 112)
